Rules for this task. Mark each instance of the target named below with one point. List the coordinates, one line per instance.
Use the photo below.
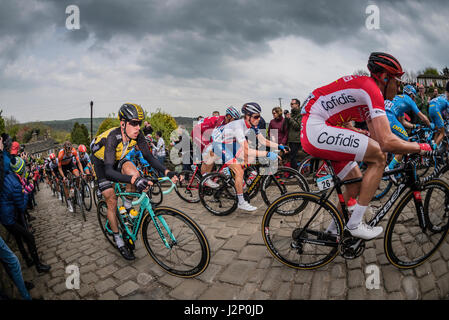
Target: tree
(79, 134)
(429, 71)
(161, 121)
(107, 124)
(2, 123)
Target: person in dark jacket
(12, 213)
(280, 124)
(294, 131)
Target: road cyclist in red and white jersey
(231, 145)
(202, 137)
(323, 135)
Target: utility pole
(91, 114)
(280, 103)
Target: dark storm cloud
(197, 36)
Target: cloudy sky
(190, 57)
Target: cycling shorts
(396, 126)
(71, 167)
(344, 147)
(436, 116)
(227, 152)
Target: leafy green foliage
(107, 124)
(2, 123)
(79, 134)
(161, 121)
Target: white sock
(356, 216)
(118, 240)
(332, 228)
(241, 199)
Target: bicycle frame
(144, 202)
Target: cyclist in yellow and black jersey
(110, 164)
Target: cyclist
(134, 154)
(395, 113)
(357, 98)
(67, 162)
(54, 171)
(230, 144)
(436, 107)
(201, 135)
(47, 170)
(109, 150)
(85, 160)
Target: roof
(40, 146)
(431, 76)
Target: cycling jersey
(133, 154)
(202, 132)
(327, 109)
(54, 166)
(401, 104)
(228, 139)
(65, 159)
(109, 150)
(84, 160)
(436, 107)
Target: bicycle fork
(161, 234)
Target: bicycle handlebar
(173, 185)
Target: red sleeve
(75, 154)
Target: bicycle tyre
(194, 264)
(400, 231)
(286, 246)
(86, 193)
(225, 191)
(308, 168)
(184, 189)
(102, 215)
(155, 194)
(80, 202)
(276, 180)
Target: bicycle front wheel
(186, 253)
(300, 240)
(80, 202)
(87, 195)
(407, 242)
(105, 226)
(188, 189)
(217, 194)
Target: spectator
(434, 94)
(422, 101)
(280, 124)
(147, 128)
(216, 114)
(12, 214)
(7, 144)
(286, 114)
(200, 118)
(159, 149)
(294, 130)
(13, 269)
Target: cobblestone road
(240, 267)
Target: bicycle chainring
(347, 249)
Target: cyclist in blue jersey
(134, 154)
(396, 116)
(436, 107)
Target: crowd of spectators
(19, 181)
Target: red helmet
(82, 148)
(52, 156)
(379, 62)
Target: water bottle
(133, 213)
(351, 206)
(123, 211)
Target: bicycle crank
(351, 248)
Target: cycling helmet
(251, 108)
(408, 89)
(82, 148)
(130, 111)
(52, 156)
(67, 145)
(233, 112)
(382, 62)
(19, 166)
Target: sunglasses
(256, 117)
(135, 123)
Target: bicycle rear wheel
(102, 215)
(221, 200)
(289, 241)
(407, 244)
(78, 198)
(188, 189)
(86, 195)
(188, 254)
(308, 168)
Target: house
(42, 148)
(438, 81)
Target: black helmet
(382, 62)
(130, 111)
(251, 108)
